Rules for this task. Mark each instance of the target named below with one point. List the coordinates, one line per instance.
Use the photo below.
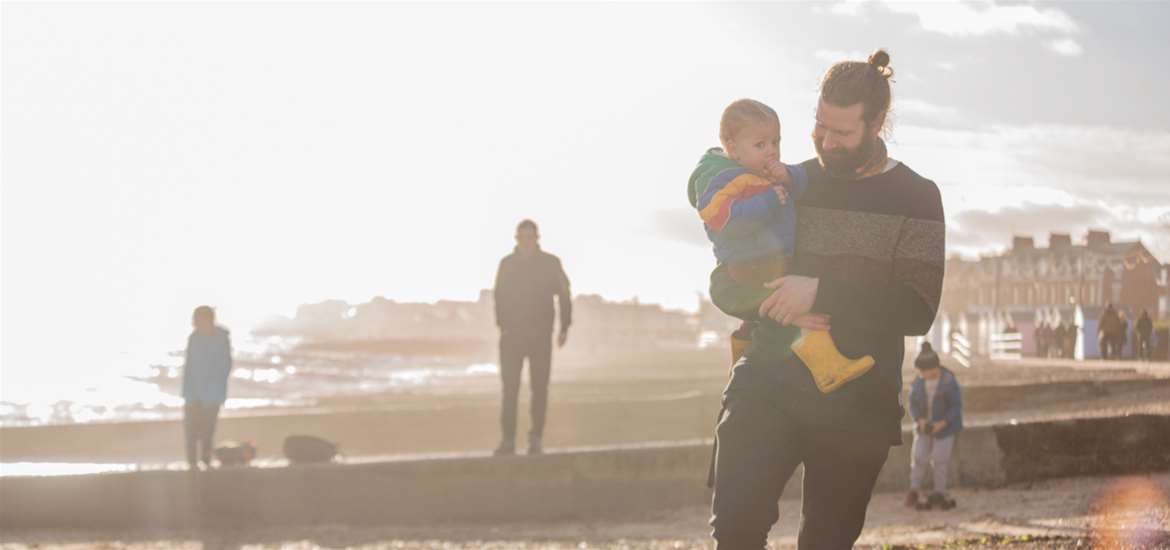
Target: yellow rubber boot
(830, 369)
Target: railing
(1007, 346)
(961, 349)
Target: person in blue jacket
(936, 405)
(206, 367)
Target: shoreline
(588, 407)
(613, 399)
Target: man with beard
(869, 264)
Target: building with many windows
(1062, 285)
(1094, 273)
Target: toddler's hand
(781, 193)
(778, 172)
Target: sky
(254, 157)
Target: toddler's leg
(940, 461)
(919, 459)
(830, 369)
(740, 340)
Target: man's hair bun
(880, 60)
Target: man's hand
(938, 426)
(562, 337)
(921, 425)
(793, 296)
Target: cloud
(947, 66)
(926, 111)
(834, 56)
(1120, 164)
(1031, 220)
(845, 7)
(957, 18)
(962, 18)
(971, 232)
(1097, 159)
(1066, 46)
(681, 226)
(1032, 179)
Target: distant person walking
(1145, 333)
(1121, 336)
(527, 281)
(936, 406)
(1107, 328)
(1057, 335)
(207, 364)
(1042, 334)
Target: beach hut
(1087, 344)
(1024, 319)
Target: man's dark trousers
(762, 438)
(515, 347)
(1104, 343)
(199, 424)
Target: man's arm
(187, 369)
(230, 361)
(564, 297)
(908, 303)
(798, 183)
(956, 409)
(498, 295)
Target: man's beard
(846, 162)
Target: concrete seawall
(684, 415)
(576, 484)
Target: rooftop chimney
(1022, 244)
(1058, 241)
(1097, 239)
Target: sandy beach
(1065, 513)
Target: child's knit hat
(927, 358)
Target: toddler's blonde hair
(741, 114)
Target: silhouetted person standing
(1042, 334)
(206, 367)
(1145, 332)
(526, 283)
(1107, 328)
(1122, 335)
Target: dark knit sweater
(876, 245)
(524, 293)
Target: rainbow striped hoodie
(741, 213)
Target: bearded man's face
(843, 140)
